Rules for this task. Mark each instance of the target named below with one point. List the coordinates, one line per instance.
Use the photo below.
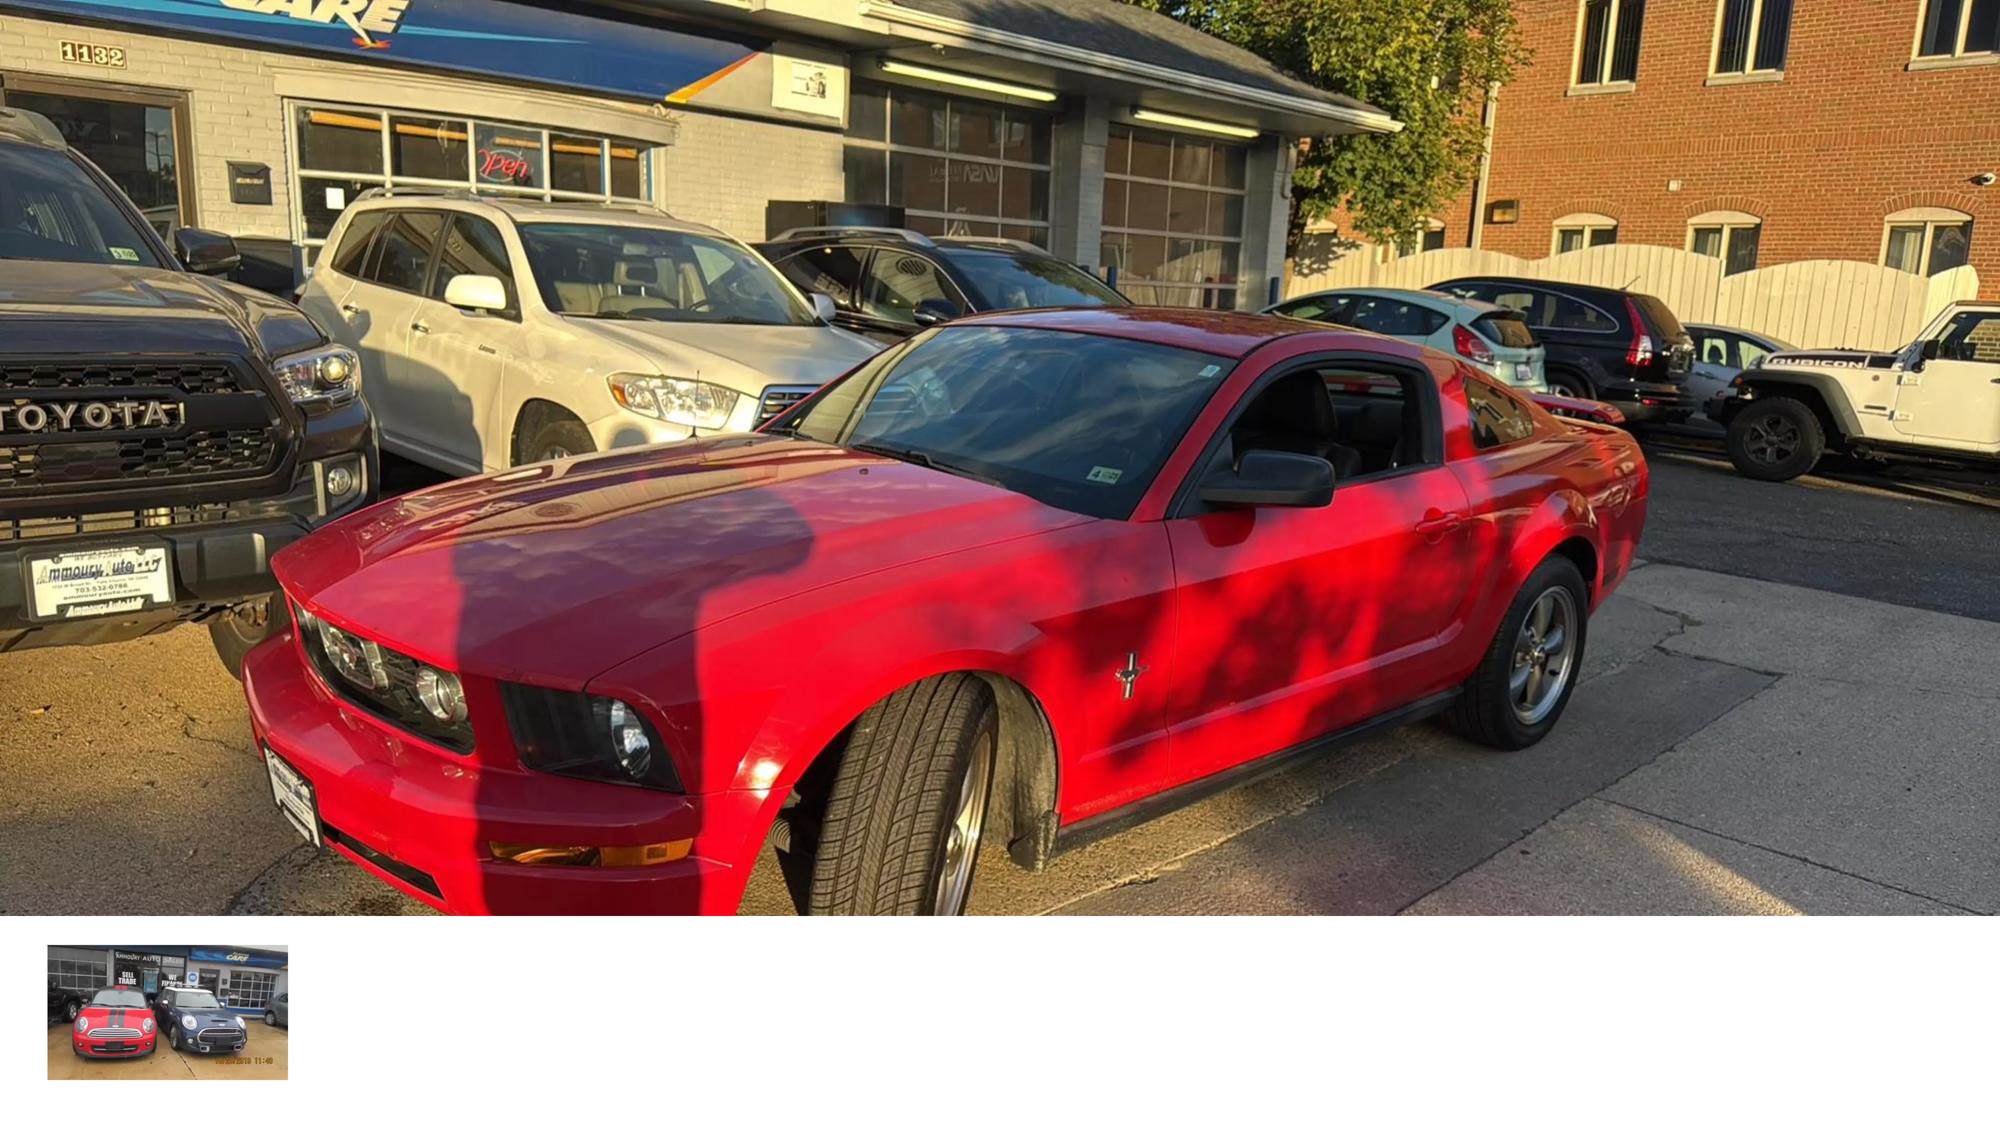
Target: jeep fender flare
(1831, 394)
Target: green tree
(1427, 63)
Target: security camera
(1985, 179)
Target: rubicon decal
(99, 414)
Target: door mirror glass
(476, 291)
(205, 251)
(1928, 350)
(1267, 478)
(933, 310)
(824, 309)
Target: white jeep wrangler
(1938, 398)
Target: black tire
(235, 633)
(73, 1008)
(270, 1018)
(883, 841)
(174, 1038)
(1775, 439)
(1563, 381)
(1484, 711)
(553, 440)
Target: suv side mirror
(824, 310)
(476, 291)
(1267, 478)
(205, 251)
(934, 310)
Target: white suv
(496, 333)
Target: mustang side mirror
(205, 251)
(1266, 478)
(824, 309)
(476, 291)
(933, 310)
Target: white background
(1057, 1020)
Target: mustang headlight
(441, 694)
(587, 736)
(684, 402)
(187, 1022)
(429, 701)
(326, 374)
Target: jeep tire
(239, 630)
(1524, 682)
(906, 814)
(1775, 439)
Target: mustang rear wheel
(907, 812)
(1531, 668)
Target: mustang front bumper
(424, 820)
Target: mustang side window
(1498, 418)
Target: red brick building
(1762, 131)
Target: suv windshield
(117, 998)
(192, 1000)
(52, 211)
(1001, 280)
(641, 273)
(1078, 422)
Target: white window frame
(1750, 66)
(1958, 50)
(1724, 221)
(1602, 81)
(1233, 288)
(1584, 221)
(1930, 218)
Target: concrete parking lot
(1791, 708)
(265, 1058)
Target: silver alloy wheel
(1771, 440)
(554, 453)
(961, 847)
(1544, 655)
(271, 1019)
(73, 1009)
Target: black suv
(888, 283)
(1625, 348)
(162, 433)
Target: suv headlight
(587, 736)
(326, 374)
(684, 402)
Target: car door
(1955, 396)
(379, 309)
(325, 297)
(458, 357)
(1296, 622)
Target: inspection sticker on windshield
(1101, 475)
(123, 253)
(1208, 372)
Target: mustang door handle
(1438, 523)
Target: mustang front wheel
(903, 824)
(1525, 679)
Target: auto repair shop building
(1109, 134)
(243, 977)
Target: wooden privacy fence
(1813, 304)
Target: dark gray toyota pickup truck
(162, 432)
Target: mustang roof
(1230, 334)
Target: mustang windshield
(645, 273)
(1075, 421)
(117, 998)
(192, 1000)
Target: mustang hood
(568, 568)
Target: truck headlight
(587, 736)
(683, 402)
(326, 374)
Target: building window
(245, 988)
(1750, 36)
(1431, 239)
(72, 972)
(1926, 240)
(1950, 28)
(1729, 235)
(1607, 41)
(1173, 217)
(342, 151)
(954, 165)
(1574, 232)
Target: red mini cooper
(117, 1022)
(1017, 580)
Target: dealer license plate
(94, 583)
(294, 795)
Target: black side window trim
(1427, 403)
(430, 253)
(1506, 395)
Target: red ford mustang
(117, 1022)
(1019, 579)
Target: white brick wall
(721, 170)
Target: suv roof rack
(28, 125)
(907, 235)
(419, 190)
(994, 240)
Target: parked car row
(122, 1021)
